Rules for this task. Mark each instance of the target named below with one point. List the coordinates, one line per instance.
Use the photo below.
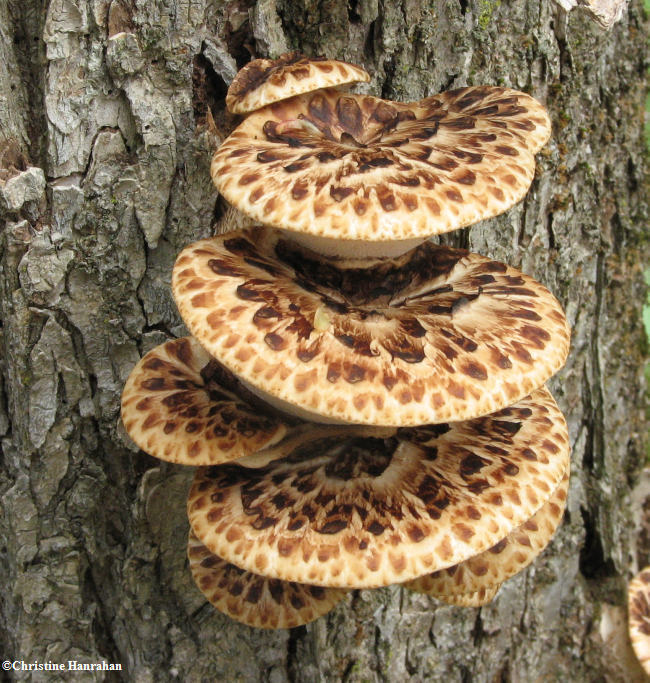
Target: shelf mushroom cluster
(366, 408)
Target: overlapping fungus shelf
(437, 334)
(363, 512)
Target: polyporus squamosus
(476, 581)
(434, 335)
(256, 600)
(638, 608)
(266, 81)
(373, 335)
(363, 512)
(357, 174)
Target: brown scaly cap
(638, 608)
(356, 167)
(175, 407)
(255, 600)
(365, 512)
(437, 334)
(508, 557)
(265, 81)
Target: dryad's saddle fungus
(639, 617)
(434, 335)
(175, 407)
(474, 578)
(253, 599)
(363, 512)
(265, 81)
(355, 167)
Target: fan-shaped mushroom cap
(437, 334)
(253, 599)
(508, 557)
(175, 407)
(265, 81)
(355, 167)
(638, 608)
(364, 512)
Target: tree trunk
(105, 155)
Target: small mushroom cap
(638, 607)
(255, 600)
(265, 81)
(437, 334)
(355, 167)
(365, 512)
(176, 408)
(508, 557)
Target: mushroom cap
(508, 557)
(255, 600)
(365, 512)
(355, 167)
(638, 607)
(265, 81)
(175, 407)
(437, 334)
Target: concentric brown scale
(175, 407)
(355, 167)
(370, 511)
(508, 557)
(437, 334)
(256, 600)
(638, 608)
(264, 81)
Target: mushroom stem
(357, 250)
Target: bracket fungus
(266, 81)
(478, 578)
(363, 512)
(358, 168)
(638, 609)
(368, 408)
(437, 334)
(256, 600)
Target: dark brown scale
(221, 267)
(471, 464)
(154, 364)
(266, 313)
(461, 123)
(300, 190)
(254, 592)
(296, 166)
(332, 527)
(353, 374)
(262, 522)
(413, 328)
(338, 194)
(300, 327)
(350, 116)
(154, 384)
(248, 291)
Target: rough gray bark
(105, 152)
